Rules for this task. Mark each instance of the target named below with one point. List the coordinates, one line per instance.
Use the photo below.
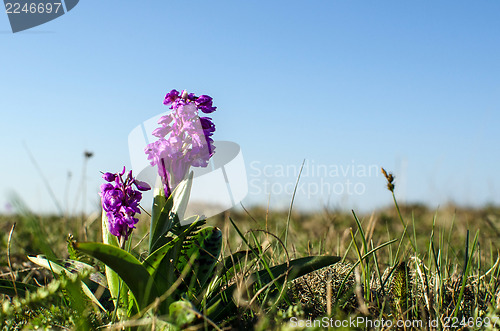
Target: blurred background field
(420, 256)
(324, 232)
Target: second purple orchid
(120, 202)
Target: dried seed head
(390, 179)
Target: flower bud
(109, 177)
(184, 94)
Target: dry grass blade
(13, 277)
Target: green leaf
(203, 252)
(176, 239)
(154, 259)
(161, 264)
(182, 313)
(128, 268)
(11, 289)
(173, 208)
(159, 203)
(223, 303)
(111, 276)
(59, 270)
(77, 266)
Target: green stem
(402, 221)
(397, 209)
(115, 312)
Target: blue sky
(409, 85)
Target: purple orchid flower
(120, 202)
(184, 138)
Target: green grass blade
(12, 289)
(360, 228)
(465, 275)
(33, 222)
(372, 251)
(365, 268)
(396, 257)
(291, 204)
(254, 251)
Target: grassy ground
(439, 267)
